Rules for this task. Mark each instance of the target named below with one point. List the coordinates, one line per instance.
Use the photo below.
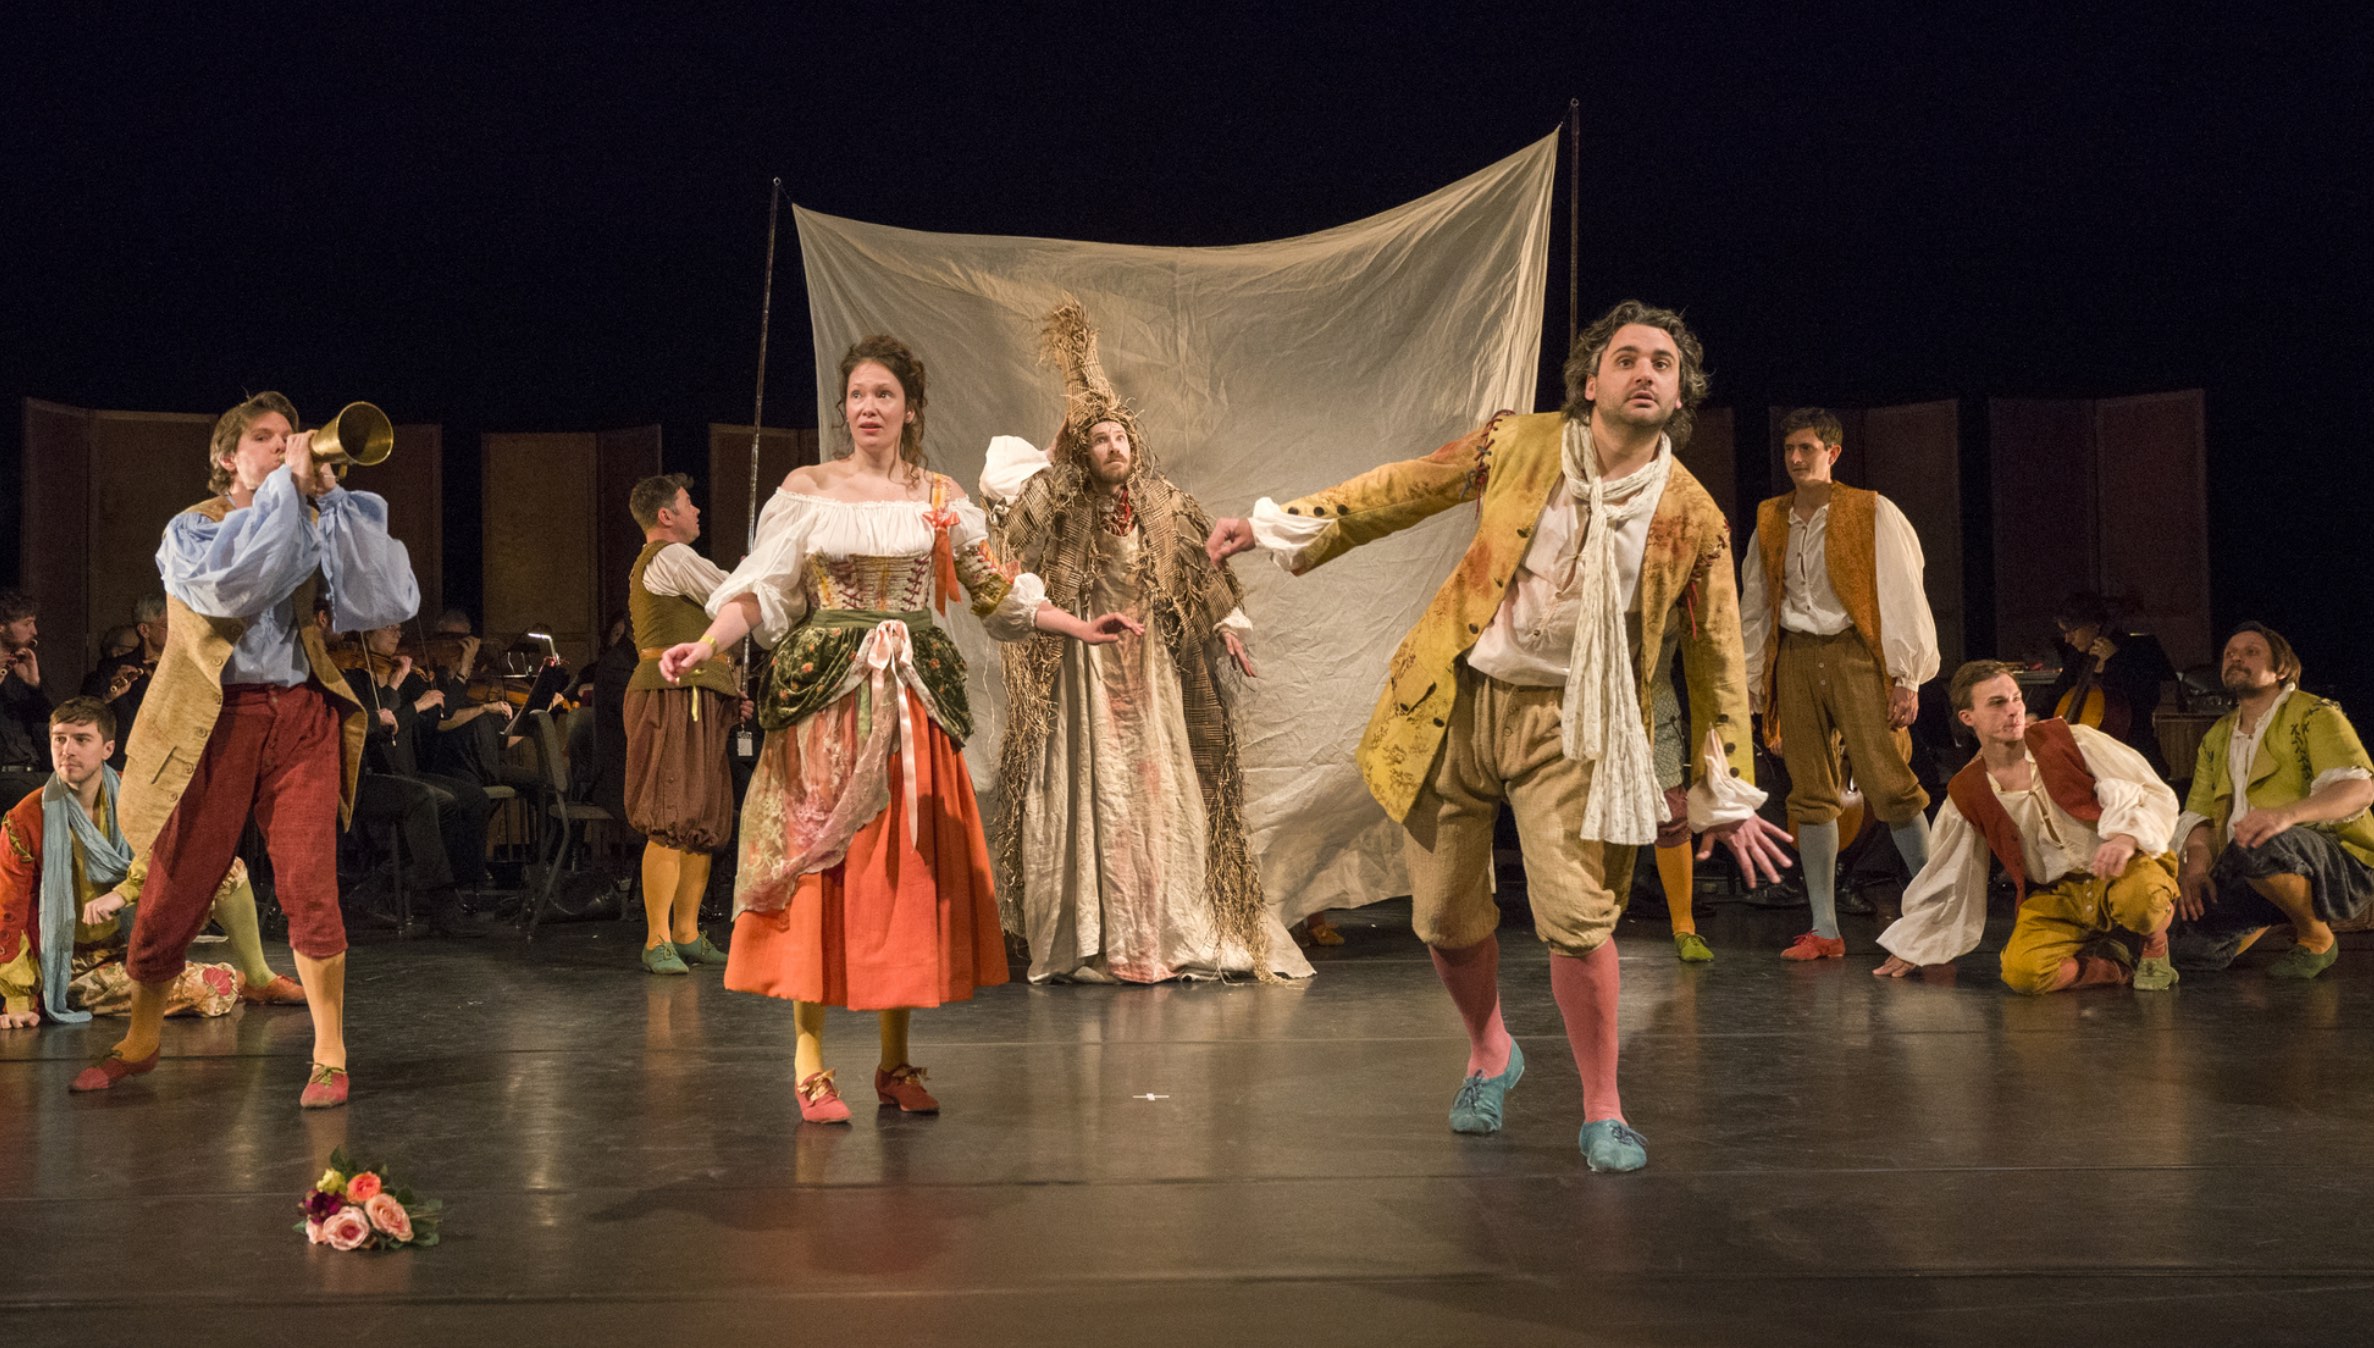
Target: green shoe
(2155, 975)
(663, 959)
(1610, 1145)
(699, 951)
(2301, 964)
(1692, 948)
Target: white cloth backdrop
(1264, 369)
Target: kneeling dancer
(2073, 817)
(864, 878)
(65, 885)
(1596, 556)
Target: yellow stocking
(807, 1056)
(1674, 870)
(692, 883)
(894, 1039)
(662, 867)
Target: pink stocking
(1586, 990)
(1472, 976)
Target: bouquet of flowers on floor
(354, 1207)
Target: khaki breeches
(1828, 690)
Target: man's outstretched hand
(1756, 843)
(1228, 538)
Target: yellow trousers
(2063, 918)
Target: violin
(2088, 703)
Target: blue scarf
(106, 859)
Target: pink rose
(389, 1216)
(364, 1187)
(313, 1232)
(348, 1230)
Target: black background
(503, 217)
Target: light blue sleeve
(247, 563)
(369, 572)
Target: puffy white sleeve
(1008, 608)
(1755, 620)
(1285, 536)
(771, 573)
(1012, 462)
(1945, 906)
(2134, 800)
(1908, 632)
(680, 571)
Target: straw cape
(1050, 529)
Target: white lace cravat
(1601, 708)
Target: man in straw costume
(1120, 850)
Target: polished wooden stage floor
(1831, 1160)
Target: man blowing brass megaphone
(360, 433)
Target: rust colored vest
(2066, 779)
(1850, 548)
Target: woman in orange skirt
(864, 879)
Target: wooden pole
(1574, 233)
(758, 410)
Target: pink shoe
(281, 991)
(103, 1074)
(325, 1090)
(820, 1099)
(1814, 946)
(903, 1086)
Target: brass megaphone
(360, 433)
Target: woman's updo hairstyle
(907, 368)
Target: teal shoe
(1611, 1145)
(1476, 1109)
(699, 951)
(2302, 964)
(663, 959)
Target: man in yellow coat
(1597, 557)
(2276, 829)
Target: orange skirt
(896, 923)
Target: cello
(2088, 702)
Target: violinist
(121, 680)
(443, 817)
(2111, 675)
(1839, 640)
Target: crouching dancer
(2066, 811)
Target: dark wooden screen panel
(626, 457)
(539, 538)
(412, 481)
(725, 521)
(1712, 456)
(2155, 514)
(53, 536)
(1913, 456)
(2041, 456)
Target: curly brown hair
(907, 368)
(1820, 420)
(1589, 346)
(231, 425)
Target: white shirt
(1810, 603)
(678, 570)
(1945, 906)
(1531, 636)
